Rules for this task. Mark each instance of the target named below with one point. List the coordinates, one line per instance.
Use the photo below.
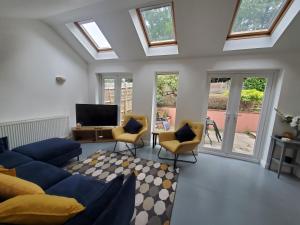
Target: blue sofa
(56, 151)
(106, 203)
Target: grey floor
(221, 191)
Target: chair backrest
(197, 127)
(140, 118)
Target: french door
(118, 90)
(237, 109)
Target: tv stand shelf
(92, 134)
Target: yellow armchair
(168, 141)
(120, 135)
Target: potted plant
(293, 121)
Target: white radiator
(29, 131)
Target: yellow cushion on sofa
(38, 209)
(11, 172)
(12, 186)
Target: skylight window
(257, 17)
(158, 24)
(93, 33)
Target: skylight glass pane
(256, 15)
(93, 31)
(159, 23)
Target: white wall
(192, 96)
(31, 55)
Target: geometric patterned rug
(155, 185)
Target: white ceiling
(201, 25)
(36, 9)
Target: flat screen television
(97, 115)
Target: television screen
(97, 115)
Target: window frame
(89, 37)
(258, 33)
(157, 43)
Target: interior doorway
(237, 105)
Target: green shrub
(252, 95)
(255, 83)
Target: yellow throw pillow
(39, 209)
(12, 186)
(11, 172)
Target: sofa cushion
(82, 188)
(133, 126)
(13, 186)
(48, 149)
(121, 209)
(10, 159)
(64, 158)
(3, 144)
(185, 133)
(43, 174)
(10, 172)
(97, 206)
(39, 209)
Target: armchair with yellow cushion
(120, 135)
(168, 141)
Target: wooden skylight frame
(89, 37)
(258, 33)
(142, 22)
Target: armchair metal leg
(132, 150)
(115, 146)
(176, 158)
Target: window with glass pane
(158, 24)
(94, 34)
(126, 97)
(257, 16)
(109, 91)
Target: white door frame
(234, 99)
(118, 83)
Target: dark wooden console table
(284, 145)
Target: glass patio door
(118, 90)
(235, 114)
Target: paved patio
(243, 143)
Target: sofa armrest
(166, 136)
(117, 131)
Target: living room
(49, 63)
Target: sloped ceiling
(201, 25)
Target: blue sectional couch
(106, 203)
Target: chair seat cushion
(42, 174)
(133, 126)
(48, 149)
(10, 159)
(126, 137)
(84, 189)
(185, 133)
(171, 146)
